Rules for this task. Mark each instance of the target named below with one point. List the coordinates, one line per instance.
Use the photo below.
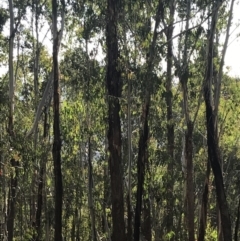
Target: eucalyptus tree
(114, 87)
(144, 129)
(56, 150)
(14, 163)
(170, 124)
(213, 146)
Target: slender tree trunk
(142, 159)
(40, 184)
(190, 187)
(13, 178)
(213, 149)
(219, 225)
(218, 83)
(144, 131)
(90, 195)
(35, 175)
(114, 87)
(56, 150)
(36, 52)
(237, 222)
(188, 155)
(204, 202)
(217, 90)
(12, 199)
(129, 194)
(184, 78)
(170, 125)
(11, 70)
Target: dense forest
(118, 121)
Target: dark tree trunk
(213, 149)
(90, 192)
(129, 191)
(114, 87)
(190, 187)
(56, 150)
(203, 215)
(215, 160)
(142, 159)
(144, 131)
(40, 185)
(170, 126)
(12, 199)
(237, 222)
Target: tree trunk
(144, 131)
(40, 184)
(12, 199)
(142, 159)
(11, 70)
(237, 222)
(213, 149)
(114, 87)
(129, 194)
(184, 78)
(90, 195)
(56, 150)
(14, 164)
(220, 74)
(170, 125)
(217, 90)
(190, 187)
(204, 202)
(36, 177)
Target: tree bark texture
(114, 87)
(190, 186)
(170, 125)
(212, 142)
(56, 150)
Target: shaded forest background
(118, 121)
